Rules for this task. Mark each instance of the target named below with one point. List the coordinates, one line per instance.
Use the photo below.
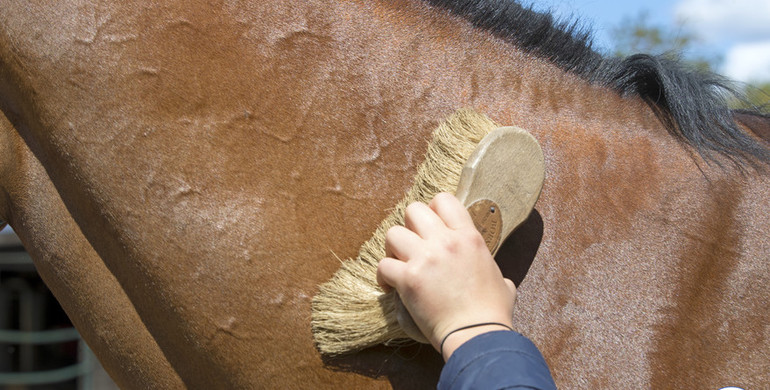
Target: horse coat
(184, 173)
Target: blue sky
(603, 15)
(736, 30)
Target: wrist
(455, 338)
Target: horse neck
(195, 145)
(380, 58)
(159, 119)
(371, 77)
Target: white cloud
(738, 28)
(749, 62)
(721, 20)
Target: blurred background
(731, 38)
(39, 349)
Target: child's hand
(444, 273)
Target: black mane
(692, 104)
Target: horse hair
(691, 103)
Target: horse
(184, 175)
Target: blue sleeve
(496, 360)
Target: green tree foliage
(757, 96)
(637, 34)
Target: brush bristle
(351, 312)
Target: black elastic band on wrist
(441, 348)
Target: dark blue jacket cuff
(496, 360)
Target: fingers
(420, 219)
(444, 211)
(390, 272)
(451, 211)
(421, 223)
(400, 242)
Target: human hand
(444, 273)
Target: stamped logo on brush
(488, 220)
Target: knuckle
(412, 280)
(411, 275)
(476, 240)
(468, 239)
(451, 244)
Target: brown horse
(184, 172)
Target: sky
(738, 31)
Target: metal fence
(39, 348)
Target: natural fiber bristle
(351, 311)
